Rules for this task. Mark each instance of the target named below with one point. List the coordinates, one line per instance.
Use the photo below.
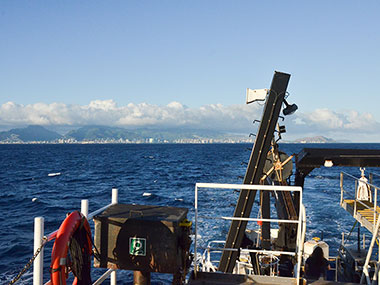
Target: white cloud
(344, 125)
(350, 125)
(356, 121)
(324, 118)
(106, 112)
(106, 105)
(328, 120)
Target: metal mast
(254, 170)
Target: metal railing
(40, 240)
(334, 259)
(354, 194)
(301, 222)
(375, 225)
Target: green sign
(137, 246)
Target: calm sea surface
(167, 172)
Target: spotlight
(289, 109)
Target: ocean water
(168, 172)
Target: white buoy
(34, 199)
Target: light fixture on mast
(289, 109)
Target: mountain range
(35, 133)
(30, 133)
(317, 139)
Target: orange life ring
(58, 268)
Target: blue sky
(196, 53)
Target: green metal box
(143, 238)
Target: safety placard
(137, 246)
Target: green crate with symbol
(137, 246)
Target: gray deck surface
(219, 278)
(323, 282)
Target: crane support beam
(255, 168)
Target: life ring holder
(58, 268)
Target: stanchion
(39, 261)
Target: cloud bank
(350, 124)
(106, 112)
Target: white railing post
(378, 260)
(84, 208)
(114, 196)
(113, 278)
(301, 230)
(375, 206)
(39, 261)
(365, 273)
(356, 197)
(341, 188)
(195, 228)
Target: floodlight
(289, 109)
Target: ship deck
(219, 278)
(364, 213)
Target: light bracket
(254, 95)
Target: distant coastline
(317, 140)
(110, 141)
(35, 134)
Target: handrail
(248, 187)
(93, 214)
(104, 276)
(40, 240)
(376, 174)
(353, 177)
(301, 220)
(376, 220)
(84, 210)
(354, 196)
(363, 204)
(250, 250)
(374, 209)
(53, 235)
(261, 220)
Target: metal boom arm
(255, 168)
